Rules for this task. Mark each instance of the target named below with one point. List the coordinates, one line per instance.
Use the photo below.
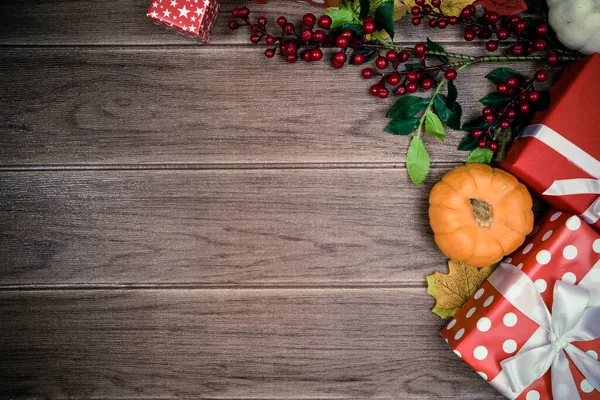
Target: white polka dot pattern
(459, 334)
(451, 324)
(573, 223)
(541, 285)
(458, 353)
(586, 387)
(510, 319)
(570, 252)
(480, 353)
(488, 301)
(483, 375)
(471, 312)
(562, 391)
(596, 246)
(569, 277)
(484, 324)
(527, 248)
(532, 395)
(509, 346)
(547, 235)
(555, 216)
(543, 257)
(479, 293)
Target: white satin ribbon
(576, 156)
(575, 317)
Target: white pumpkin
(576, 23)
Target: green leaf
(499, 75)
(482, 156)
(365, 6)
(495, 100)
(340, 17)
(434, 126)
(455, 116)
(433, 46)
(538, 7)
(452, 94)
(402, 126)
(468, 143)
(451, 116)
(477, 123)
(369, 52)
(417, 160)
(384, 18)
(504, 142)
(406, 106)
(412, 66)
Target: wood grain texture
(124, 22)
(194, 106)
(289, 226)
(320, 343)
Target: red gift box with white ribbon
(532, 330)
(558, 155)
(190, 18)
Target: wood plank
(288, 226)
(322, 343)
(189, 106)
(47, 22)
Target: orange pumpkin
(479, 214)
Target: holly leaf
(504, 7)
(402, 126)
(467, 143)
(433, 125)
(448, 112)
(499, 75)
(450, 8)
(505, 141)
(340, 17)
(482, 156)
(452, 290)
(452, 94)
(495, 100)
(411, 66)
(369, 52)
(417, 160)
(384, 17)
(433, 46)
(365, 6)
(406, 106)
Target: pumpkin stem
(482, 211)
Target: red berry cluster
(490, 25)
(522, 95)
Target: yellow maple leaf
(452, 290)
(451, 8)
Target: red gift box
(558, 156)
(490, 330)
(321, 3)
(190, 18)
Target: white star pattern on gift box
(197, 19)
(183, 12)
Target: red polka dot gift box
(532, 330)
(558, 155)
(189, 18)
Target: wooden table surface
(195, 221)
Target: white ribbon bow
(576, 156)
(575, 317)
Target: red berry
(368, 26)
(416, 21)
(524, 107)
(487, 110)
(491, 45)
(469, 36)
(524, 96)
(367, 73)
(269, 53)
(336, 65)
(450, 74)
(482, 144)
(415, 10)
(485, 34)
(517, 50)
(383, 93)
(393, 79)
(520, 26)
(552, 58)
(316, 54)
(306, 55)
(427, 9)
(381, 63)
(541, 30)
(420, 2)
(412, 76)
(432, 23)
(492, 17)
(427, 83)
(374, 90)
(533, 96)
(510, 113)
(255, 38)
(339, 58)
(291, 58)
(472, 8)
(436, 3)
(501, 88)
(504, 124)
(412, 87)
(319, 36)
(392, 55)
(281, 21)
(511, 81)
(270, 40)
(236, 13)
(404, 56)
(539, 44)
(347, 33)
(342, 42)
(325, 21)
(476, 133)
(514, 19)
(489, 118)
(419, 76)
(309, 20)
(465, 13)
(452, 20)
(442, 23)
(493, 146)
(289, 28)
(233, 25)
(306, 34)
(502, 34)
(541, 75)
(401, 90)
(262, 21)
(244, 12)
(358, 59)
(420, 49)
